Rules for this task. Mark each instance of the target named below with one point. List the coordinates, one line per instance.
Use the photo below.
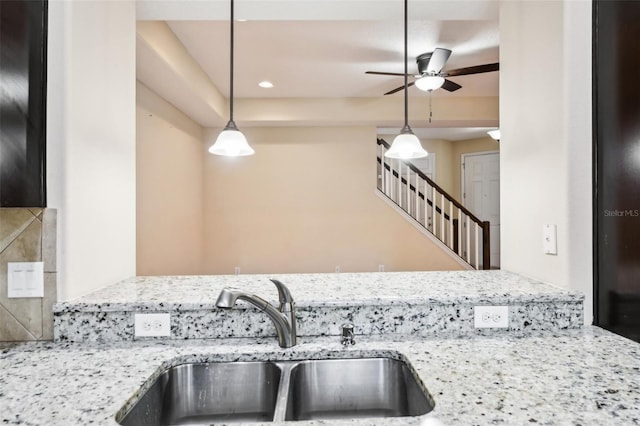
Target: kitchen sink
(264, 391)
(226, 392)
(354, 388)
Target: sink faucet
(284, 318)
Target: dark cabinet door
(23, 47)
(617, 166)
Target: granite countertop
(337, 289)
(586, 376)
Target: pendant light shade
(231, 142)
(429, 83)
(406, 145)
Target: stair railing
(434, 209)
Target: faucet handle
(284, 295)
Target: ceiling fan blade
(473, 70)
(386, 73)
(450, 86)
(397, 89)
(438, 58)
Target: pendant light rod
(406, 84)
(231, 142)
(406, 145)
(231, 66)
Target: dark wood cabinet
(617, 166)
(23, 59)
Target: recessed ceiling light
(265, 84)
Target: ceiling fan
(430, 75)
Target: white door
(481, 194)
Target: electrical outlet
(337, 268)
(152, 325)
(380, 268)
(236, 270)
(491, 316)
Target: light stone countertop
(586, 376)
(337, 289)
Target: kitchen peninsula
(540, 370)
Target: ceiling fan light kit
(429, 83)
(406, 145)
(231, 142)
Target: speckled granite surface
(343, 289)
(419, 303)
(585, 376)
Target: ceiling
(326, 58)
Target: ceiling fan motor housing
(423, 62)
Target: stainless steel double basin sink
(265, 391)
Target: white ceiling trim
(330, 10)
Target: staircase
(433, 209)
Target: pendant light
(231, 142)
(406, 145)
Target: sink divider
(283, 389)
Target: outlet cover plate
(491, 316)
(549, 239)
(25, 279)
(152, 325)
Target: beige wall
(443, 150)
(91, 128)
(467, 147)
(170, 157)
(306, 202)
(545, 157)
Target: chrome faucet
(284, 318)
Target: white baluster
(416, 211)
(477, 250)
(433, 210)
(399, 198)
(451, 225)
(443, 236)
(426, 205)
(382, 177)
(468, 247)
(460, 250)
(408, 186)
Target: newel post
(486, 246)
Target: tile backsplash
(28, 235)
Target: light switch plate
(25, 279)
(549, 239)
